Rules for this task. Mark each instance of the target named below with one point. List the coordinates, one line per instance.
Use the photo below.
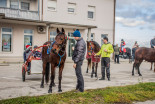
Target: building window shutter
(71, 7)
(52, 4)
(14, 4)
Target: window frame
(94, 12)
(26, 3)
(27, 34)
(92, 38)
(69, 3)
(102, 38)
(53, 35)
(17, 5)
(11, 40)
(52, 9)
(5, 4)
(70, 37)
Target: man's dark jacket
(79, 51)
(152, 43)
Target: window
(3, 3)
(53, 35)
(102, 36)
(92, 37)
(52, 4)
(91, 12)
(28, 37)
(6, 39)
(71, 7)
(25, 6)
(14, 4)
(71, 44)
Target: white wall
(18, 39)
(104, 15)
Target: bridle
(61, 46)
(92, 49)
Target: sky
(135, 21)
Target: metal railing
(18, 13)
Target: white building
(21, 21)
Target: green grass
(123, 94)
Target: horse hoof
(132, 74)
(96, 76)
(49, 91)
(59, 90)
(41, 86)
(86, 71)
(91, 76)
(140, 75)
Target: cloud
(129, 22)
(152, 27)
(136, 12)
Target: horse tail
(47, 72)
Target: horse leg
(60, 77)
(52, 78)
(53, 84)
(43, 75)
(96, 70)
(87, 68)
(151, 65)
(154, 66)
(133, 68)
(89, 62)
(139, 69)
(92, 70)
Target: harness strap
(48, 52)
(60, 58)
(49, 49)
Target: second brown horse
(143, 53)
(92, 48)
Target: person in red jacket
(122, 45)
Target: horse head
(60, 41)
(90, 47)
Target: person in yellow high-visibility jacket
(105, 53)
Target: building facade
(35, 22)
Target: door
(71, 44)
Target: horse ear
(58, 30)
(63, 31)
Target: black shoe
(108, 79)
(28, 73)
(102, 78)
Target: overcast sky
(135, 21)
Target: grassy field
(123, 94)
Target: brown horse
(143, 53)
(55, 55)
(92, 48)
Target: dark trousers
(29, 67)
(117, 58)
(105, 64)
(80, 81)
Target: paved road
(12, 86)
